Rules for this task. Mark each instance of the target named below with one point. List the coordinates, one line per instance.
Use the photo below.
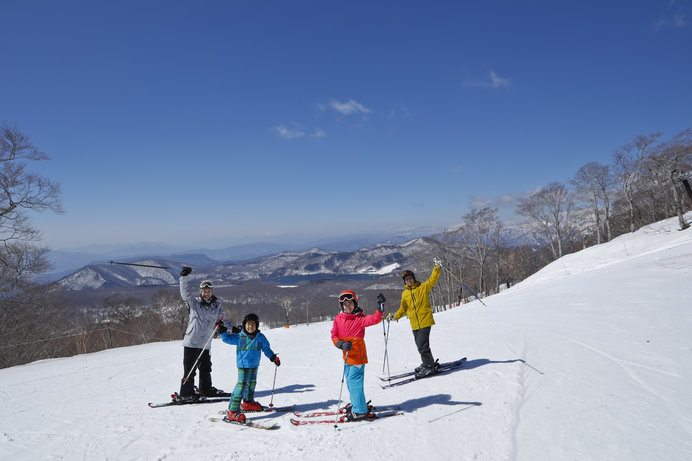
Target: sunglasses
(206, 284)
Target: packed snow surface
(589, 359)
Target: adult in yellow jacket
(415, 304)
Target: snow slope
(589, 359)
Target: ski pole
(338, 403)
(462, 284)
(386, 354)
(144, 265)
(385, 360)
(271, 402)
(187, 378)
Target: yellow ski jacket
(415, 303)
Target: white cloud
(493, 80)
(289, 133)
(349, 107)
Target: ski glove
(236, 330)
(344, 345)
(186, 271)
(275, 358)
(437, 262)
(390, 317)
(221, 327)
(381, 299)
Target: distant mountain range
(66, 262)
(260, 261)
(380, 259)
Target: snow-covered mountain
(588, 359)
(378, 259)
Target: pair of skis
(249, 423)
(341, 416)
(177, 400)
(410, 376)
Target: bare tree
(451, 259)
(172, 309)
(480, 231)
(550, 208)
(669, 160)
(593, 183)
(122, 310)
(627, 169)
(286, 304)
(21, 192)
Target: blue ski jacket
(249, 350)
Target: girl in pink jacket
(348, 332)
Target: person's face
(206, 293)
(408, 280)
(349, 305)
(250, 326)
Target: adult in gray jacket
(206, 315)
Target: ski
(455, 363)
(267, 410)
(343, 410)
(441, 370)
(177, 401)
(246, 423)
(342, 419)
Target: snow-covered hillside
(590, 359)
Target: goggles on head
(206, 284)
(347, 296)
(407, 273)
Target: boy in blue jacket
(251, 343)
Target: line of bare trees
(647, 180)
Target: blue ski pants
(355, 376)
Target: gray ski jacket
(203, 316)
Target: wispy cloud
(318, 133)
(399, 111)
(493, 80)
(673, 17)
(289, 133)
(501, 202)
(349, 107)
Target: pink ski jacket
(351, 327)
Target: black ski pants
(190, 354)
(422, 338)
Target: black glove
(275, 358)
(186, 271)
(381, 299)
(221, 327)
(344, 345)
(236, 330)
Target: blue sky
(221, 122)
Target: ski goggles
(347, 297)
(407, 273)
(206, 284)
